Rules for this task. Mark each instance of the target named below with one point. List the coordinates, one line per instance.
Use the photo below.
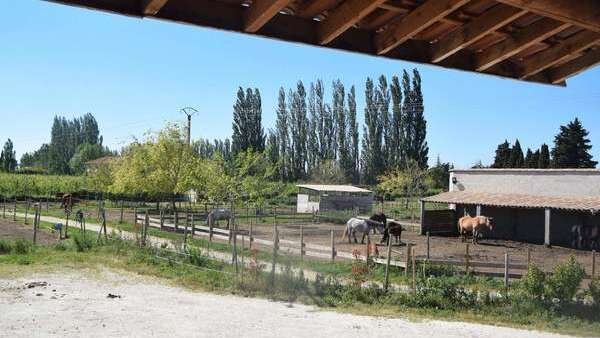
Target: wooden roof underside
(543, 41)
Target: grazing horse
(219, 214)
(395, 229)
(356, 224)
(381, 220)
(474, 225)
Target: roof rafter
(574, 67)
(558, 53)
(582, 13)
(260, 12)
(415, 22)
(520, 41)
(488, 22)
(151, 7)
(343, 17)
(315, 7)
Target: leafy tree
(8, 157)
(87, 152)
(544, 159)
(517, 159)
(328, 172)
(572, 147)
(408, 181)
(502, 158)
(163, 164)
(439, 175)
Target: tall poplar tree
(397, 129)
(353, 137)
(372, 137)
(419, 141)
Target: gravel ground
(74, 304)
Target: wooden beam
(574, 67)
(343, 17)
(488, 22)
(151, 7)
(558, 53)
(313, 8)
(582, 13)
(522, 40)
(260, 12)
(415, 22)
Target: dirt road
(74, 304)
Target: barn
(529, 205)
(319, 197)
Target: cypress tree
(572, 147)
(502, 158)
(419, 142)
(535, 159)
(516, 156)
(353, 135)
(397, 129)
(530, 161)
(544, 160)
(8, 157)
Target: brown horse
(474, 225)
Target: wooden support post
(67, 227)
(466, 259)
(162, 219)
(274, 262)
(333, 252)
(301, 242)
(478, 210)
(528, 257)
(210, 229)
(185, 234)
(423, 228)
(386, 283)
(428, 257)
(367, 253)
(506, 262)
(234, 259)
(547, 227)
(121, 215)
(242, 265)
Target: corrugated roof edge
(500, 170)
(333, 187)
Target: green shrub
(565, 281)
(5, 247)
(533, 283)
(22, 247)
(61, 246)
(81, 243)
(594, 291)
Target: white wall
(305, 206)
(549, 182)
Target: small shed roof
(332, 188)
(588, 203)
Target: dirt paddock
(11, 231)
(487, 250)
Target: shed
(530, 205)
(320, 197)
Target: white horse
(218, 214)
(355, 224)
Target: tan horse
(474, 225)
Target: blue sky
(134, 75)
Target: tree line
(319, 139)
(571, 150)
(73, 142)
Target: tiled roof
(591, 203)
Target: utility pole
(189, 111)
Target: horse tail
(346, 231)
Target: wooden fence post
(4, 207)
(407, 259)
(185, 232)
(26, 209)
(387, 265)
(593, 264)
(193, 225)
(15, 211)
(67, 226)
(251, 236)
(414, 271)
(176, 220)
(333, 252)
(121, 215)
(145, 227)
(466, 259)
(47, 206)
(302, 242)
(274, 262)
(134, 217)
(367, 253)
(506, 261)
(35, 226)
(428, 257)
(210, 229)
(162, 219)
(528, 258)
